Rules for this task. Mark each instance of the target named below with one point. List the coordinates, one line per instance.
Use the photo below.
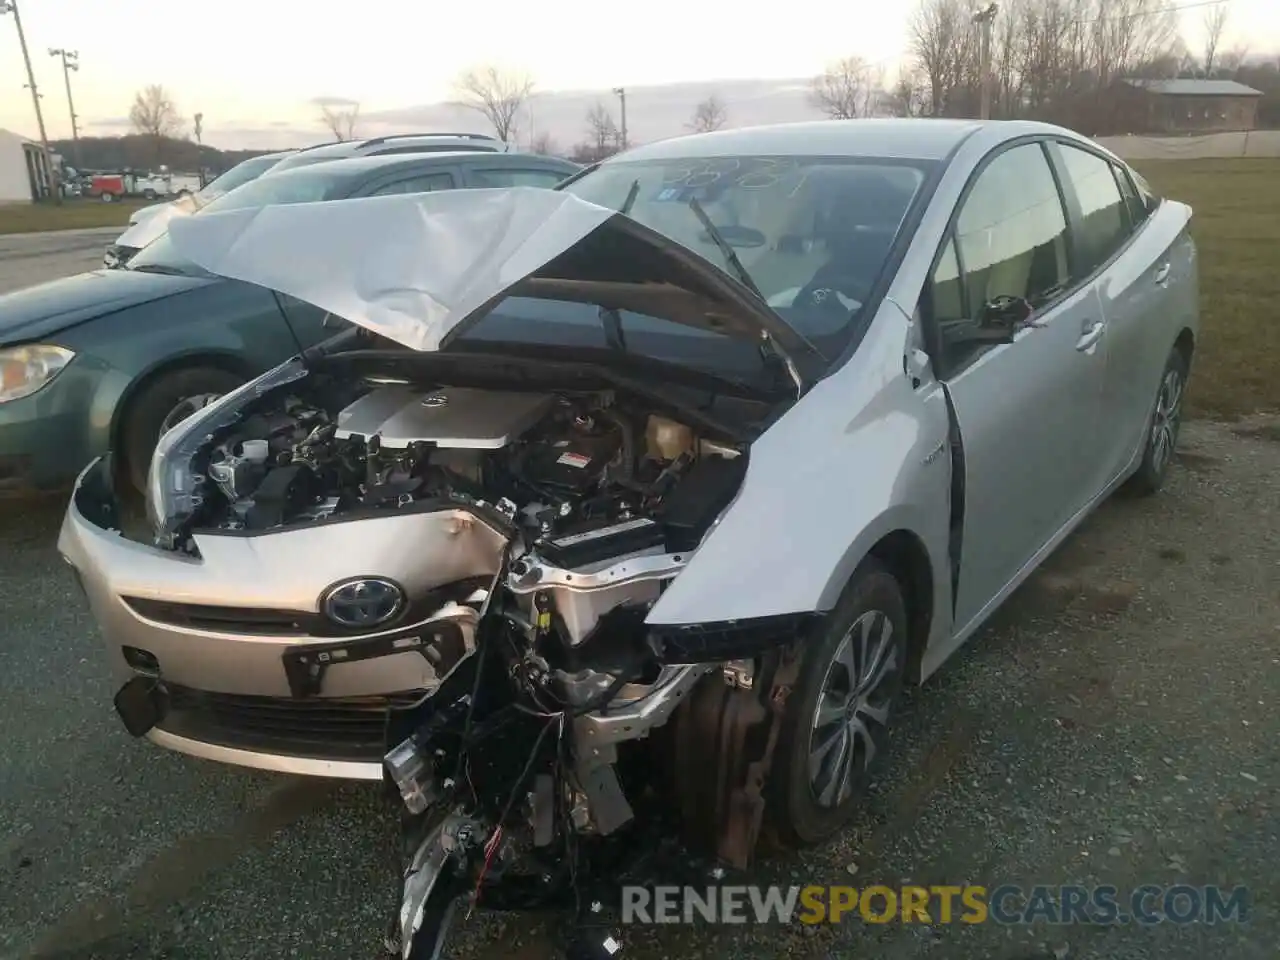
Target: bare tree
(943, 43)
(1231, 61)
(497, 94)
(154, 114)
(710, 114)
(1215, 21)
(910, 94)
(544, 144)
(603, 133)
(845, 89)
(339, 115)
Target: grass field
(75, 213)
(1237, 230)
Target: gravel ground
(1116, 723)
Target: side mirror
(1005, 312)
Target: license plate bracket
(442, 644)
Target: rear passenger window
(1104, 227)
(516, 178)
(1137, 207)
(423, 183)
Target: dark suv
(398, 143)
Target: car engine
(577, 483)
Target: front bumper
(47, 437)
(216, 629)
(223, 634)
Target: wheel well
(904, 555)
(1185, 344)
(214, 361)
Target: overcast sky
(253, 66)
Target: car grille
(327, 728)
(255, 620)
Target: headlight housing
(26, 369)
(173, 486)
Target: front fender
(861, 456)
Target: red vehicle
(108, 186)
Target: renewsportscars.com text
(1007, 904)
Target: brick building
(1185, 106)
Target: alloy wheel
(185, 408)
(853, 707)
(1164, 426)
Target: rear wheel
(161, 405)
(1162, 433)
(837, 720)
(108, 196)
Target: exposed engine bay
(577, 472)
(537, 754)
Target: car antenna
(284, 315)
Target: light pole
(70, 61)
(985, 19)
(622, 97)
(11, 6)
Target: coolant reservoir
(666, 439)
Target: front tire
(837, 720)
(1162, 429)
(162, 404)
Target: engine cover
(452, 417)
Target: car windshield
(301, 186)
(805, 229)
(812, 233)
(238, 175)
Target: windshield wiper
(769, 347)
(613, 334)
(730, 256)
(631, 197)
(160, 268)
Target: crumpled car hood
(419, 268)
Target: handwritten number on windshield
(705, 173)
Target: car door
(1027, 408)
(1130, 279)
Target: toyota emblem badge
(362, 602)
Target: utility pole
(11, 6)
(986, 20)
(622, 97)
(70, 61)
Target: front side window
(1103, 228)
(1007, 245)
(1011, 234)
(424, 183)
(516, 178)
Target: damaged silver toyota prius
(623, 511)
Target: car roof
(892, 138)
(357, 167)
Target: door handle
(1162, 274)
(1092, 334)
